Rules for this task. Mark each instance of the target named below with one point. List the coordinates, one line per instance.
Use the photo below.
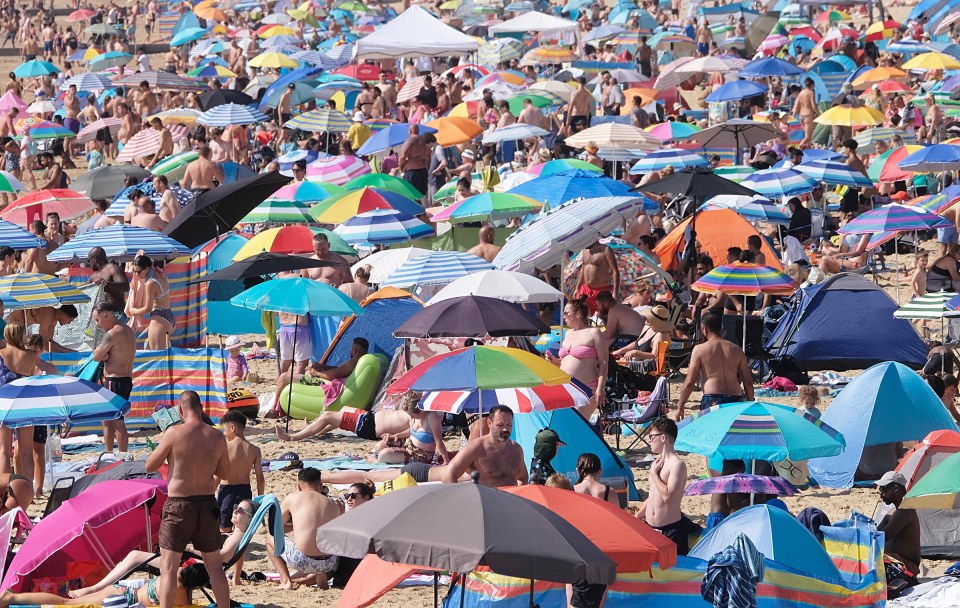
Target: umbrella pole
(753, 471)
(436, 589)
(896, 251)
(744, 345)
(463, 588)
(293, 367)
(532, 605)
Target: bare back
(241, 458)
(719, 362)
(202, 450)
(308, 510)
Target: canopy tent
(823, 329)
(939, 528)
(540, 23)
(886, 404)
(414, 33)
(717, 230)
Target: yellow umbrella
(274, 60)
(305, 14)
(932, 61)
(450, 5)
(90, 53)
(849, 116)
(181, 116)
(878, 75)
(278, 30)
(219, 29)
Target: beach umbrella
(110, 59)
(932, 61)
(89, 132)
(287, 160)
(514, 132)
(932, 159)
(539, 99)
(383, 227)
(42, 106)
(757, 431)
(696, 185)
(894, 218)
(263, 264)
(735, 90)
(885, 167)
(738, 133)
(882, 30)
(337, 169)
(391, 136)
(752, 208)
(773, 42)
(553, 190)
(50, 130)
(80, 15)
(615, 135)
(734, 173)
(165, 81)
(175, 165)
(102, 29)
(291, 240)
(17, 238)
(228, 114)
(298, 296)
(928, 306)
(834, 172)
(547, 55)
(471, 316)
(850, 115)
(315, 58)
(212, 70)
(877, 75)
(938, 488)
(29, 290)
(35, 68)
(672, 131)
(219, 97)
(705, 65)
(383, 181)
(274, 61)
(122, 243)
(104, 182)
(324, 120)
(436, 268)
(278, 211)
(779, 183)
(489, 206)
(146, 142)
(191, 34)
(52, 400)
(677, 158)
(524, 400)
(501, 284)
(558, 165)
(868, 138)
(453, 130)
(385, 261)
(217, 211)
(178, 116)
(307, 193)
(9, 183)
(87, 81)
(70, 204)
(768, 67)
(533, 542)
(740, 483)
(499, 50)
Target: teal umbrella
(298, 296)
(757, 431)
(34, 68)
(188, 35)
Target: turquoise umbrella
(298, 296)
(35, 67)
(757, 431)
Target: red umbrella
(360, 71)
(808, 31)
(80, 15)
(70, 204)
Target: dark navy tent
(845, 323)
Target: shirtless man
(598, 272)
(723, 366)
(388, 89)
(704, 38)
(304, 512)
(365, 425)
(668, 477)
(201, 174)
(71, 108)
(196, 455)
(485, 248)
(129, 124)
(166, 143)
(7, 128)
(147, 217)
(47, 319)
(53, 175)
(318, 372)
(242, 457)
(901, 527)
(581, 104)
(805, 108)
(146, 100)
(169, 206)
(332, 275)
(623, 325)
(117, 351)
(284, 108)
(640, 226)
(532, 115)
(35, 260)
(115, 283)
(497, 458)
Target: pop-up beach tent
(824, 327)
(717, 230)
(939, 528)
(886, 404)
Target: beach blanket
(339, 462)
(828, 379)
(938, 593)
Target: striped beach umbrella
(745, 279)
(735, 173)
(323, 120)
(928, 306)
(278, 211)
(50, 130)
(51, 400)
(164, 81)
(833, 172)
(29, 290)
(499, 50)
(383, 227)
(9, 183)
(670, 131)
(543, 398)
(181, 116)
(17, 238)
(228, 114)
(773, 43)
(436, 268)
(308, 193)
(286, 160)
(868, 138)
(930, 159)
(89, 132)
(122, 243)
(671, 157)
(293, 240)
(778, 183)
(752, 208)
(894, 218)
(882, 30)
(740, 483)
(488, 206)
(383, 181)
(175, 165)
(147, 141)
(884, 168)
(70, 204)
(337, 210)
(88, 81)
(337, 169)
(546, 55)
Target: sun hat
(358, 116)
(546, 443)
(544, 154)
(231, 342)
(658, 317)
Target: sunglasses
(351, 496)
(239, 509)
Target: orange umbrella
(210, 13)
(453, 130)
(646, 96)
(877, 75)
(372, 578)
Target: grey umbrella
(458, 527)
(738, 133)
(104, 182)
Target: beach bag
(88, 573)
(243, 401)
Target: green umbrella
(278, 211)
(938, 489)
(175, 166)
(384, 182)
(538, 99)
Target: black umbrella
(264, 263)
(696, 185)
(218, 97)
(104, 182)
(471, 317)
(217, 211)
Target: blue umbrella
(558, 188)
(340, 54)
(15, 237)
(300, 74)
(228, 114)
(316, 59)
(383, 226)
(49, 400)
(390, 136)
(778, 183)
(674, 157)
(834, 172)
(121, 244)
(233, 171)
(34, 68)
(298, 296)
(769, 66)
(286, 161)
(436, 268)
(736, 90)
(752, 208)
(938, 157)
(813, 154)
(108, 60)
(187, 36)
(87, 81)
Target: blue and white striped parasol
(17, 238)
(677, 158)
(228, 114)
(436, 268)
(316, 59)
(50, 400)
(121, 244)
(383, 226)
(341, 55)
(88, 81)
(834, 172)
(752, 208)
(778, 183)
(122, 200)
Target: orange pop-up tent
(717, 230)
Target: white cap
(892, 477)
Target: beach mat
(330, 464)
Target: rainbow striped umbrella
(384, 181)
(50, 130)
(741, 483)
(544, 55)
(322, 120)
(884, 168)
(745, 279)
(340, 209)
(382, 227)
(778, 183)
(773, 42)
(833, 172)
(488, 206)
(894, 218)
(29, 290)
(337, 169)
(308, 193)
(670, 131)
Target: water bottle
(53, 444)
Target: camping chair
(635, 419)
(59, 494)
(677, 357)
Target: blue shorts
(948, 235)
(703, 48)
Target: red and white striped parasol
(543, 398)
(147, 142)
(89, 132)
(70, 204)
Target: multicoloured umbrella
(9, 183)
(672, 130)
(298, 296)
(543, 398)
(383, 227)
(757, 431)
(228, 114)
(278, 211)
(850, 116)
(778, 183)
(436, 268)
(932, 159)
(488, 206)
(50, 130)
(178, 116)
(547, 55)
(833, 172)
(308, 193)
(735, 173)
(147, 141)
(676, 158)
(885, 168)
(745, 279)
(337, 169)
(938, 489)
(741, 483)
(894, 218)
(832, 16)
(50, 400)
(28, 290)
(382, 181)
(496, 51)
(868, 138)
(212, 71)
(291, 240)
(175, 165)
(882, 30)
(70, 204)
(877, 75)
(121, 243)
(353, 202)
(480, 367)
(389, 136)
(89, 132)
(324, 120)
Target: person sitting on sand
(420, 441)
(189, 577)
(237, 369)
(330, 378)
(494, 456)
(901, 528)
(304, 512)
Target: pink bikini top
(579, 352)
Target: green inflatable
(359, 389)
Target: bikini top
(422, 435)
(579, 352)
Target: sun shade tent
(414, 33)
(717, 229)
(540, 23)
(939, 528)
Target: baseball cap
(892, 477)
(546, 443)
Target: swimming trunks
(717, 399)
(591, 294)
(190, 519)
(152, 594)
(306, 564)
(301, 351)
(72, 123)
(420, 471)
(677, 532)
(121, 386)
(40, 434)
(228, 497)
(165, 314)
(359, 422)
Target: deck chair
(59, 494)
(636, 418)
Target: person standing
(414, 160)
(668, 478)
(805, 108)
(723, 368)
(196, 454)
(116, 351)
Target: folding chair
(639, 414)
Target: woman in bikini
(850, 255)
(583, 354)
(588, 482)
(156, 303)
(944, 274)
(420, 442)
(658, 329)
(16, 361)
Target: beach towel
(732, 576)
(937, 593)
(828, 379)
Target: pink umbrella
(337, 169)
(11, 100)
(89, 132)
(102, 524)
(773, 42)
(147, 142)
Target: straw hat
(658, 317)
(544, 154)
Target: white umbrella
(501, 284)
(42, 107)
(613, 135)
(705, 65)
(383, 263)
(513, 132)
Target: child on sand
(919, 280)
(235, 488)
(809, 399)
(237, 369)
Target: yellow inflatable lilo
(359, 389)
